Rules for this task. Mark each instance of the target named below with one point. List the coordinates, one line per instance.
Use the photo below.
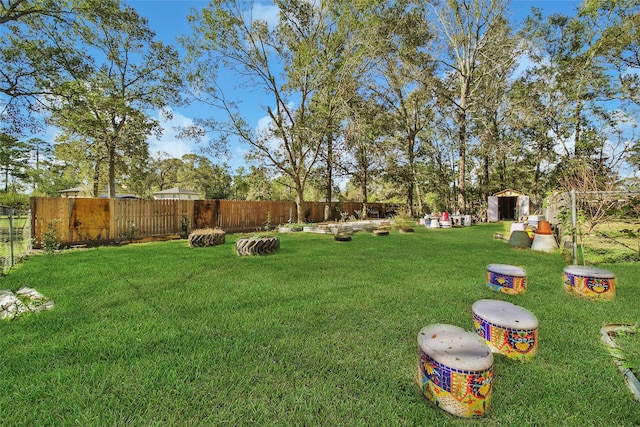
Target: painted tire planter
(404, 230)
(455, 370)
(591, 282)
(506, 278)
(380, 232)
(342, 237)
(506, 328)
(257, 246)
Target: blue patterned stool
(506, 278)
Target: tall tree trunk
(414, 176)
(485, 174)
(363, 173)
(96, 179)
(462, 140)
(299, 201)
(365, 178)
(112, 171)
(329, 180)
(410, 158)
(577, 129)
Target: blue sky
(168, 18)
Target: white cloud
(268, 12)
(168, 141)
(264, 130)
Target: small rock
(29, 293)
(25, 300)
(10, 305)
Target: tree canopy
(435, 105)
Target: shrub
(50, 240)
(14, 200)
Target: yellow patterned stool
(506, 278)
(455, 370)
(506, 328)
(591, 282)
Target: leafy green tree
(40, 160)
(364, 146)
(54, 177)
(617, 46)
(88, 161)
(402, 83)
(29, 53)
(468, 31)
(199, 174)
(260, 184)
(340, 56)
(584, 117)
(494, 150)
(124, 74)
(14, 155)
(240, 185)
(163, 171)
(281, 60)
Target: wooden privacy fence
(99, 221)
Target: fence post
(11, 212)
(574, 238)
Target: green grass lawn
(323, 333)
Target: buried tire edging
(608, 331)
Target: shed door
(492, 213)
(523, 206)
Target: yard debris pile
(25, 300)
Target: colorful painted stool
(506, 278)
(455, 370)
(591, 282)
(506, 328)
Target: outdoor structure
(507, 205)
(77, 192)
(177, 193)
(72, 192)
